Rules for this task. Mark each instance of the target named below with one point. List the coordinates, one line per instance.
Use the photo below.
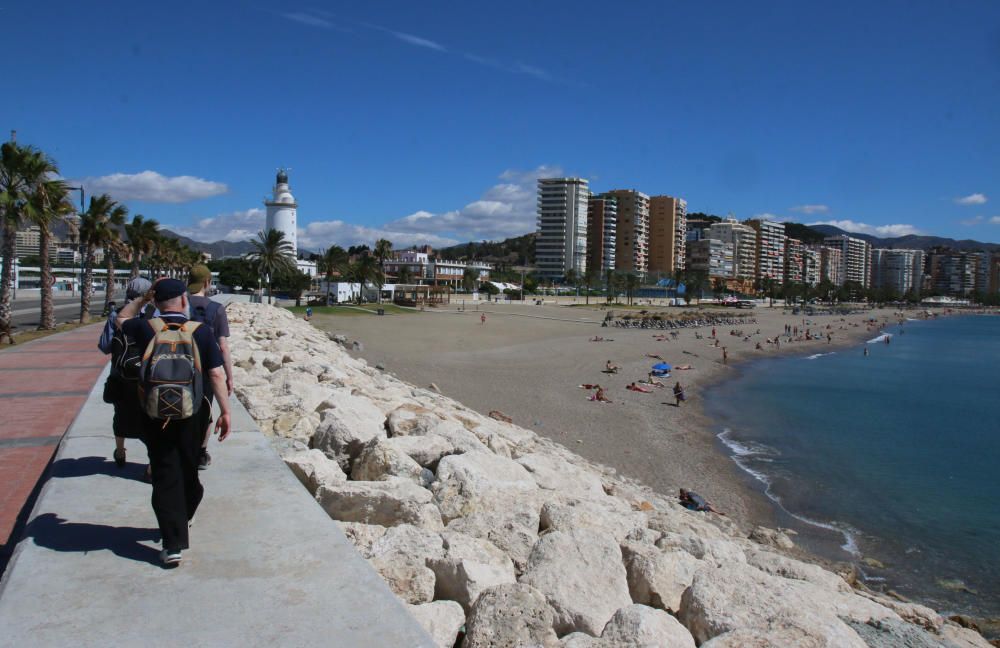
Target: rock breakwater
(486, 528)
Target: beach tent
(661, 368)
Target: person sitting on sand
(651, 380)
(599, 396)
(637, 388)
(695, 502)
(610, 368)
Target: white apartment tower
(632, 234)
(561, 245)
(855, 258)
(281, 211)
(744, 240)
(770, 250)
(899, 271)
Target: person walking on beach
(212, 314)
(679, 394)
(174, 443)
(725, 356)
(482, 319)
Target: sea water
(890, 460)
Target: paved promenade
(43, 384)
(267, 567)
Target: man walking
(213, 314)
(175, 443)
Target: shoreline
(698, 458)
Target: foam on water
(819, 355)
(743, 453)
(881, 338)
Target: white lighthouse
(281, 211)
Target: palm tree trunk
(135, 265)
(109, 292)
(48, 319)
(87, 287)
(6, 271)
(328, 277)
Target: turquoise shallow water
(896, 454)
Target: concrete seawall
(266, 566)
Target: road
(27, 311)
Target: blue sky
(429, 122)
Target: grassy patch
(390, 309)
(27, 335)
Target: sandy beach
(528, 361)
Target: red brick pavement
(43, 385)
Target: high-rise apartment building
(898, 271)
(855, 257)
(770, 263)
(632, 236)
(602, 229)
(561, 245)
(711, 256)
(794, 257)
(831, 266)
(811, 264)
(667, 234)
(744, 240)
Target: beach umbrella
(662, 366)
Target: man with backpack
(212, 314)
(181, 358)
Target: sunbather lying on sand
(637, 388)
(599, 395)
(588, 386)
(695, 502)
(683, 367)
(653, 355)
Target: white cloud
(885, 231)
(308, 19)
(768, 216)
(995, 220)
(969, 222)
(322, 234)
(972, 199)
(418, 41)
(810, 209)
(150, 186)
(234, 226)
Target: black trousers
(173, 459)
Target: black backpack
(126, 354)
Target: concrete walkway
(267, 566)
(43, 384)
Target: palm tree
(142, 235)
(47, 205)
(632, 284)
(405, 275)
(572, 277)
(366, 270)
(272, 254)
(590, 279)
(98, 228)
(331, 262)
(383, 250)
(110, 238)
(469, 278)
(22, 170)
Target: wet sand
(528, 361)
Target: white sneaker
(170, 558)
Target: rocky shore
(498, 537)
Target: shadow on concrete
(52, 532)
(85, 466)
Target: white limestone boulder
(460, 439)
(441, 619)
(362, 535)
(737, 596)
(511, 524)
(778, 565)
(598, 512)
(771, 537)
(512, 615)
(717, 550)
(409, 580)
(469, 481)
(379, 460)
(346, 427)
(408, 542)
(426, 450)
(467, 567)
(313, 468)
(656, 577)
(580, 572)
(556, 474)
(410, 419)
(641, 626)
(582, 640)
(386, 503)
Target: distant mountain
(910, 241)
(218, 249)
